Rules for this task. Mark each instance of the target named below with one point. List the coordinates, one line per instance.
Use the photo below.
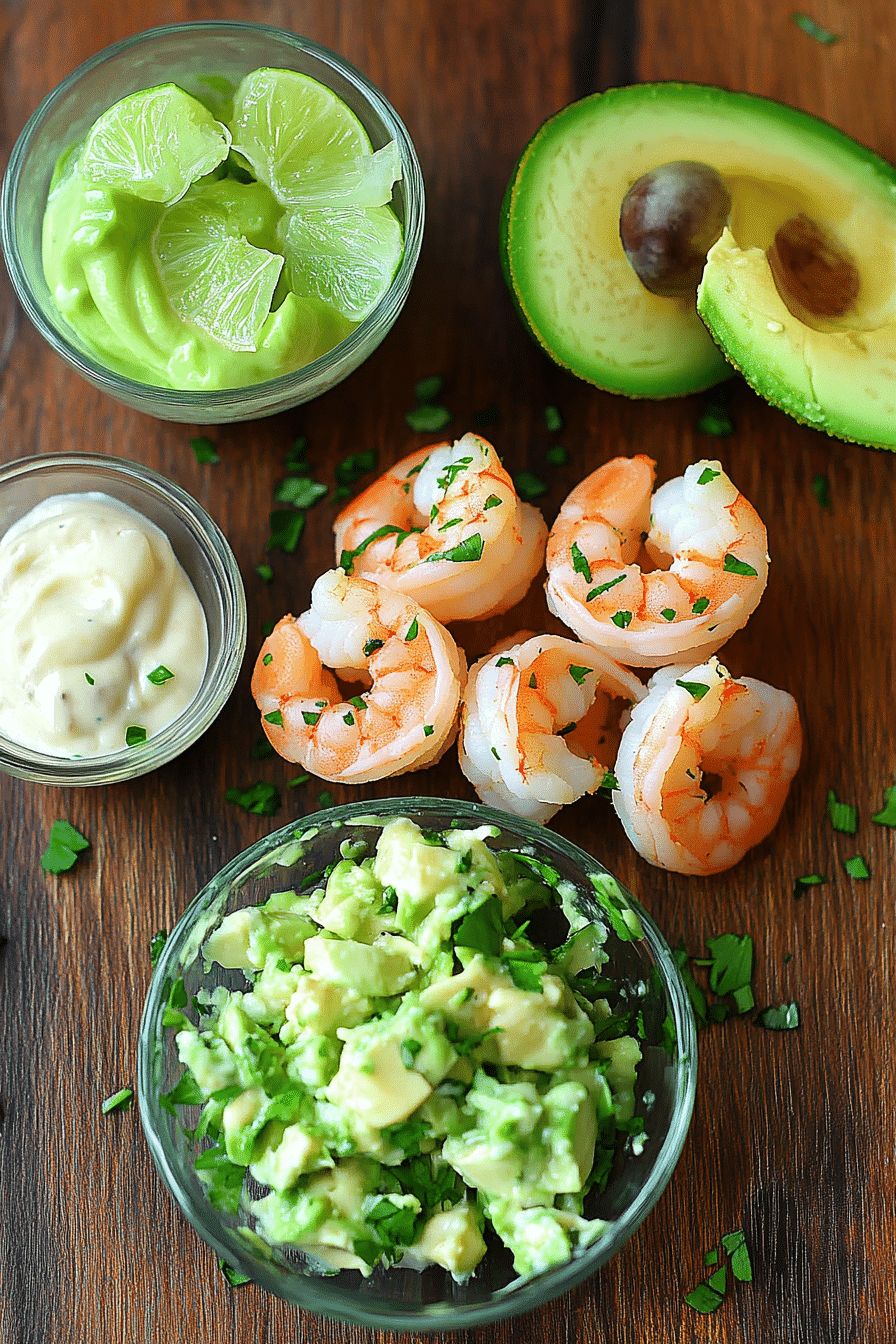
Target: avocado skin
(729, 106)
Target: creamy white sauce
(93, 600)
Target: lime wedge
(153, 144)
(213, 276)
(346, 258)
(293, 130)
(363, 182)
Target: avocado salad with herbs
(406, 1065)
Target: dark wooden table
(792, 1137)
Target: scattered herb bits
(65, 845)
(786, 1017)
(856, 867)
(156, 943)
(529, 486)
(814, 30)
(261, 798)
(803, 884)
(119, 1101)
(887, 815)
(821, 489)
(204, 450)
(286, 528)
(709, 1295)
(715, 420)
(843, 816)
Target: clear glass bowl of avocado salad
(416, 1064)
(128, 288)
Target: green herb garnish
(700, 606)
(556, 456)
(89, 679)
(784, 1018)
(622, 618)
(580, 563)
(529, 486)
(159, 675)
(135, 736)
(233, 1276)
(428, 419)
(821, 489)
(287, 526)
(204, 449)
(489, 415)
(695, 688)
(300, 492)
(63, 849)
(553, 420)
(802, 884)
(482, 929)
(843, 816)
(815, 30)
(261, 798)
(119, 1101)
(156, 943)
(856, 867)
(603, 587)
(579, 674)
(276, 718)
(707, 475)
(715, 420)
(887, 815)
(731, 565)
(325, 799)
(470, 549)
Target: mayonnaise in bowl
(105, 640)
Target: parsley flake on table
(63, 849)
(295, 462)
(326, 799)
(299, 491)
(814, 30)
(887, 815)
(233, 1276)
(287, 526)
(156, 943)
(553, 420)
(856, 867)
(427, 389)
(821, 489)
(261, 798)
(204, 449)
(428, 419)
(843, 816)
(709, 1294)
(715, 420)
(351, 469)
(786, 1017)
(731, 968)
(529, 486)
(119, 1101)
(556, 455)
(297, 781)
(802, 884)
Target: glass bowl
(404, 1299)
(187, 54)
(205, 555)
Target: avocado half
(580, 299)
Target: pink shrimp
(654, 579)
(411, 668)
(445, 526)
(704, 767)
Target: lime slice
(347, 258)
(213, 276)
(293, 130)
(365, 181)
(153, 144)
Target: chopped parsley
(409, 1050)
(261, 798)
(856, 867)
(351, 469)
(731, 968)
(556, 456)
(529, 486)
(275, 717)
(89, 679)
(715, 420)
(802, 884)
(159, 675)
(427, 389)
(413, 631)
(299, 491)
(603, 587)
(287, 526)
(233, 1276)
(553, 420)
(119, 1101)
(325, 799)
(261, 749)
(700, 606)
(815, 30)
(786, 1017)
(668, 613)
(428, 419)
(347, 558)
(156, 943)
(707, 475)
(372, 645)
(482, 929)
(580, 563)
(297, 781)
(821, 489)
(265, 573)
(695, 688)
(470, 549)
(843, 816)
(731, 565)
(887, 815)
(579, 674)
(622, 618)
(135, 736)
(505, 662)
(709, 1294)
(310, 717)
(204, 450)
(295, 462)
(428, 730)
(492, 502)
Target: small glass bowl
(205, 555)
(399, 1299)
(187, 54)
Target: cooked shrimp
(704, 767)
(701, 572)
(445, 526)
(413, 671)
(541, 723)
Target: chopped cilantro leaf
(802, 884)
(89, 679)
(372, 645)
(695, 688)
(843, 816)
(156, 943)
(815, 30)
(204, 450)
(325, 799)
(700, 606)
(580, 563)
(603, 588)
(492, 502)
(525, 971)
(735, 1244)
(553, 420)
(470, 549)
(821, 489)
(887, 815)
(267, 628)
(704, 1298)
(428, 729)
(63, 849)
(275, 717)
(310, 716)
(731, 565)
(731, 968)
(427, 389)
(265, 573)
(413, 631)
(668, 613)
(287, 526)
(356, 465)
(224, 1180)
(579, 674)
(505, 662)
(299, 491)
(297, 781)
(856, 867)
(482, 929)
(556, 456)
(261, 749)
(135, 736)
(622, 618)
(707, 475)
(529, 486)
(261, 798)
(233, 1276)
(715, 420)
(784, 1018)
(119, 1101)
(295, 462)
(409, 1050)
(428, 419)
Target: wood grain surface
(793, 1133)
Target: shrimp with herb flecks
(540, 723)
(656, 578)
(704, 767)
(411, 675)
(445, 526)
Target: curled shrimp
(412, 669)
(655, 579)
(445, 526)
(540, 723)
(704, 767)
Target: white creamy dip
(95, 609)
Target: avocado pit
(811, 273)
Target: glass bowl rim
(271, 389)
(39, 767)
(516, 1297)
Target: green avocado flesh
(583, 303)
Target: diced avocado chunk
(323, 1216)
(350, 904)
(453, 1239)
(283, 1153)
(381, 968)
(246, 938)
(321, 1006)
